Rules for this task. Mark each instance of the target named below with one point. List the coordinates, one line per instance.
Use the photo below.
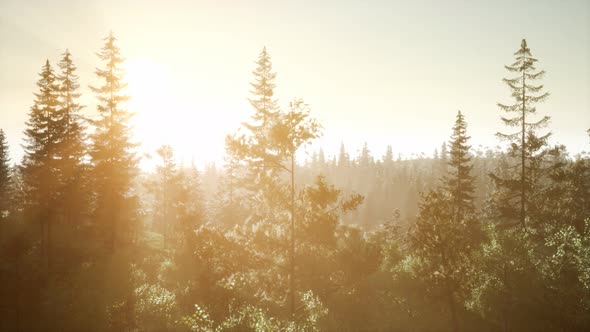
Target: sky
(380, 72)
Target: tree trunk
(292, 274)
(453, 310)
(522, 155)
(17, 295)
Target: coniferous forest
(461, 240)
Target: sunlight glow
(163, 117)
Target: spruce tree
(228, 209)
(293, 130)
(165, 190)
(459, 182)
(343, 157)
(4, 176)
(276, 151)
(113, 157)
(388, 157)
(262, 100)
(39, 166)
(72, 149)
(525, 144)
(322, 160)
(444, 158)
(446, 231)
(365, 159)
(257, 175)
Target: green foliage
(459, 183)
(350, 238)
(525, 145)
(252, 318)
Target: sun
(147, 84)
(151, 101)
(162, 116)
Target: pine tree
(258, 177)
(39, 166)
(443, 245)
(343, 158)
(262, 96)
(191, 204)
(177, 208)
(112, 152)
(388, 157)
(276, 151)
(4, 177)
(459, 182)
(165, 189)
(446, 231)
(365, 159)
(322, 160)
(525, 144)
(72, 149)
(228, 209)
(444, 157)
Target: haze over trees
(465, 240)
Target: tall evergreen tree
(72, 149)
(293, 130)
(388, 157)
(365, 159)
(276, 151)
(525, 144)
(165, 189)
(446, 231)
(257, 176)
(343, 157)
(459, 182)
(322, 159)
(262, 98)
(228, 209)
(41, 175)
(4, 176)
(177, 199)
(112, 152)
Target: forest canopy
(466, 240)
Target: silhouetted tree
(256, 177)
(43, 137)
(228, 207)
(365, 159)
(388, 157)
(72, 148)
(262, 98)
(277, 151)
(343, 157)
(4, 177)
(113, 158)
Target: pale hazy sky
(384, 72)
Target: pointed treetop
(523, 43)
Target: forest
(461, 240)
